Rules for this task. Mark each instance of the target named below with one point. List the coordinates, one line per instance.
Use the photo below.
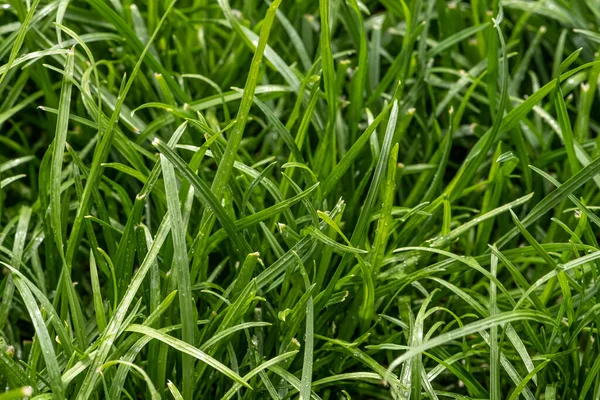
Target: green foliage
(320, 199)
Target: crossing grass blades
(320, 199)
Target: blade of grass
(181, 272)
(188, 349)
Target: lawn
(309, 199)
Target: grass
(312, 199)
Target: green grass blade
(552, 199)
(226, 166)
(181, 272)
(115, 324)
(17, 256)
(20, 38)
(207, 195)
(103, 147)
(188, 349)
(43, 338)
(486, 323)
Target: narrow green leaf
(188, 349)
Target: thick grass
(299, 199)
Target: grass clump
(313, 199)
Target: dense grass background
(299, 199)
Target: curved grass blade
(207, 195)
(115, 324)
(486, 323)
(188, 349)
(42, 336)
(551, 200)
(103, 147)
(16, 259)
(14, 52)
(154, 395)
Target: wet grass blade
(555, 197)
(188, 349)
(181, 272)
